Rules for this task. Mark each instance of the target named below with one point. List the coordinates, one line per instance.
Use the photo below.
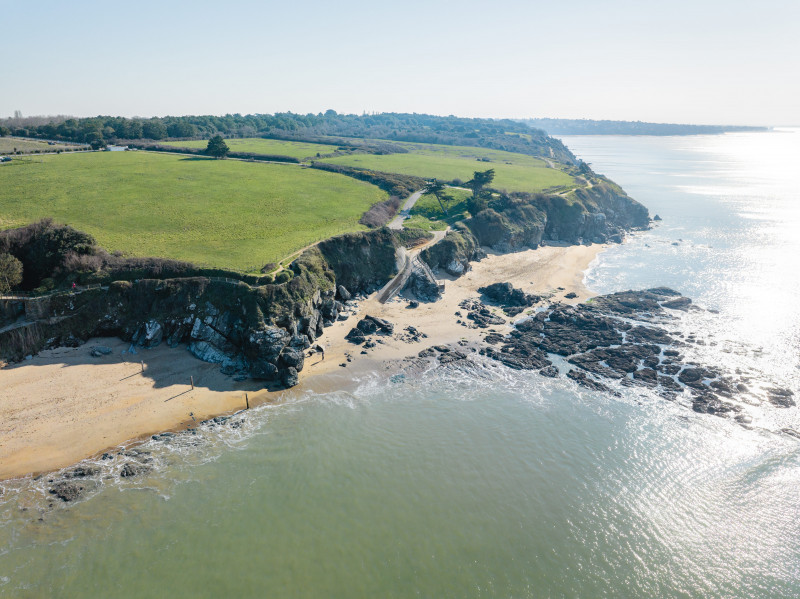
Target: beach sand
(63, 405)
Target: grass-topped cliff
(245, 261)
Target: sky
(701, 61)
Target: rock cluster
(367, 326)
(480, 314)
(511, 299)
(620, 337)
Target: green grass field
(222, 213)
(295, 149)
(513, 172)
(427, 213)
(8, 145)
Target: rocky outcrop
(597, 213)
(454, 253)
(622, 337)
(511, 299)
(422, 283)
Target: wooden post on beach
(247, 401)
(142, 365)
(191, 379)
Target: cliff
(597, 213)
(259, 332)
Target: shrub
(10, 272)
(283, 277)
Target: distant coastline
(592, 127)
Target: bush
(10, 272)
(283, 277)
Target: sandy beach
(64, 405)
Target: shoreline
(63, 406)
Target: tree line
(500, 134)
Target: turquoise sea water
(489, 483)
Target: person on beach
(74, 285)
(320, 350)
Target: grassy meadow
(427, 213)
(8, 145)
(222, 213)
(273, 147)
(513, 172)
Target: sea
(488, 482)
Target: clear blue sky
(701, 61)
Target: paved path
(406, 259)
(405, 211)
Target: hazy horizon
(709, 63)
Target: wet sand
(63, 405)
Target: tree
(217, 147)
(437, 189)
(10, 272)
(480, 179)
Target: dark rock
(413, 304)
(513, 300)
(691, 375)
(70, 490)
(263, 348)
(289, 377)
(83, 471)
(263, 370)
(422, 283)
(656, 217)
(646, 375)
(300, 341)
(549, 371)
(367, 326)
(134, 469)
(451, 356)
(383, 325)
(427, 353)
(100, 350)
(571, 295)
(781, 398)
(343, 294)
(356, 336)
(493, 338)
(293, 358)
(710, 404)
(582, 379)
(681, 303)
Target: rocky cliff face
(259, 332)
(598, 213)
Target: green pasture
(513, 172)
(9, 145)
(427, 212)
(274, 147)
(221, 213)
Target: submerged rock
(133, 469)
(70, 490)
